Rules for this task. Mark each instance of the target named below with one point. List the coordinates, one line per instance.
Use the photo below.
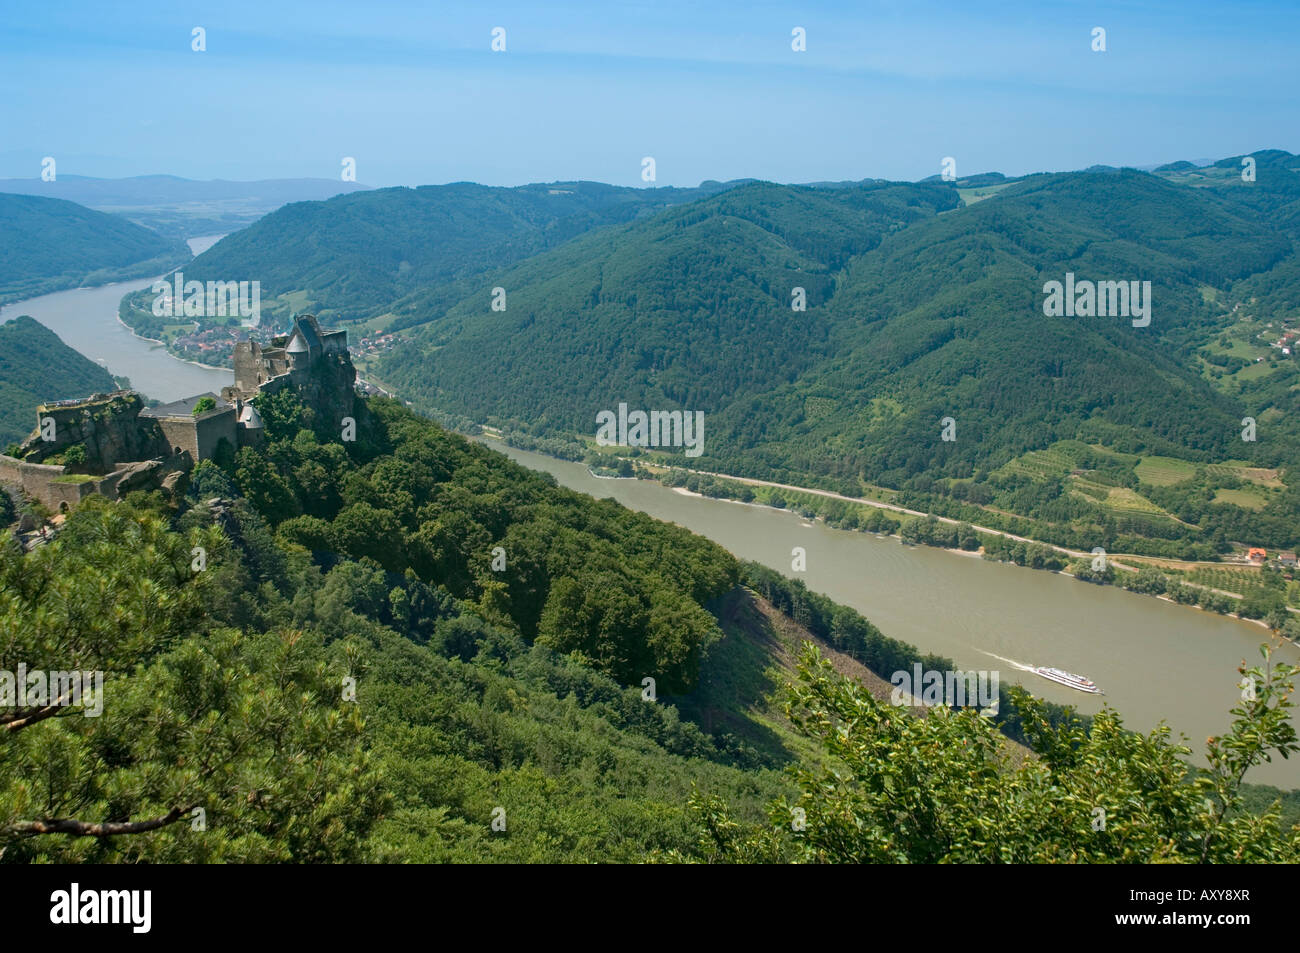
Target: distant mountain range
(182, 208)
(923, 301)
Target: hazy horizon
(1201, 162)
(417, 96)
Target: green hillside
(691, 308)
(49, 244)
(923, 301)
(355, 256)
(35, 366)
(349, 678)
(911, 318)
(946, 320)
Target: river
(1153, 659)
(86, 320)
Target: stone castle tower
(313, 362)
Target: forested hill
(355, 256)
(50, 244)
(946, 319)
(693, 309)
(827, 331)
(35, 366)
(405, 648)
(942, 318)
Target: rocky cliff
(107, 426)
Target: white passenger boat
(1069, 680)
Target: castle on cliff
(292, 360)
(112, 444)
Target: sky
(414, 93)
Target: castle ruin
(111, 444)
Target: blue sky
(585, 90)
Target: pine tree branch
(76, 828)
(25, 719)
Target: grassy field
(980, 193)
(1255, 371)
(1244, 471)
(1164, 471)
(1040, 465)
(1234, 579)
(1237, 348)
(1120, 499)
(1248, 499)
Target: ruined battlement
(107, 428)
(112, 443)
(313, 362)
(306, 348)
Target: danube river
(86, 319)
(1153, 659)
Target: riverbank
(970, 610)
(1126, 571)
(174, 356)
(1154, 662)
(87, 320)
(1139, 579)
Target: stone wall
(126, 452)
(39, 481)
(199, 437)
(255, 365)
(214, 428)
(42, 482)
(328, 386)
(181, 434)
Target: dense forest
(912, 320)
(407, 648)
(49, 244)
(365, 254)
(35, 366)
(828, 332)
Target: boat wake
(1010, 661)
(1068, 679)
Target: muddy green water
(1153, 659)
